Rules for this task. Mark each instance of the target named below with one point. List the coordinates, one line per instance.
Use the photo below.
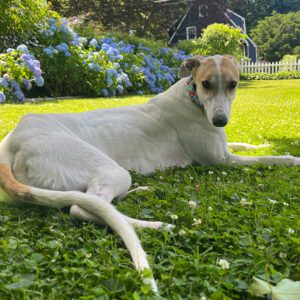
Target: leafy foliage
(20, 21)
(249, 217)
(255, 10)
(272, 76)
(145, 17)
(216, 39)
(277, 35)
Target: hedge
(272, 76)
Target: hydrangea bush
(19, 69)
(74, 65)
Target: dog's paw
(292, 160)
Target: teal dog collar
(191, 89)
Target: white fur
(82, 160)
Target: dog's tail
(91, 203)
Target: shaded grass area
(46, 255)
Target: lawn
(246, 215)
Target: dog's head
(216, 79)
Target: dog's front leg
(286, 160)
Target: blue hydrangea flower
(23, 48)
(20, 95)
(82, 40)
(6, 77)
(109, 81)
(25, 57)
(39, 81)
(104, 92)
(14, 84)
(2, 97)
(91, 66)
(113, 93)
(94, 43)
(52, 21)
(120, 89)
(37, 71)
(10, 50)
(49, 51)
(27, 84)
(3, 82)
(139, 92)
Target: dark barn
(199, 16)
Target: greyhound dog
(82, 160)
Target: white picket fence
(266, 67)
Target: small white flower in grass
(197, 222)
(218, 178)
(282, 255)
(203, 297)
(285, 204)
(261, 247)
(191, 177)
(173, 217)
(291, 231)
(243, 201)
(88, 255)
(223, 263)
(160, 177)
(192, 204)
(182, 232)
(210, 172)
(210, 208)
(224, 173)
(272, 201)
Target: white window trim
(188, 34)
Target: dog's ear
(189, 65)
(232, 58)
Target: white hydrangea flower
(223, 263)
(192, 204)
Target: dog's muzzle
(220, 120)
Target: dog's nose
(220, 121)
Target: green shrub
(273, 76)
(21, 21)
(216, 39)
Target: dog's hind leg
(79, 213)
(106, 193)
(246, 147)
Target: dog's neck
(191, 90)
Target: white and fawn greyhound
(82, 160)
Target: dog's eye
(232, 85)
(206, 84)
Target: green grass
(46, 255)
